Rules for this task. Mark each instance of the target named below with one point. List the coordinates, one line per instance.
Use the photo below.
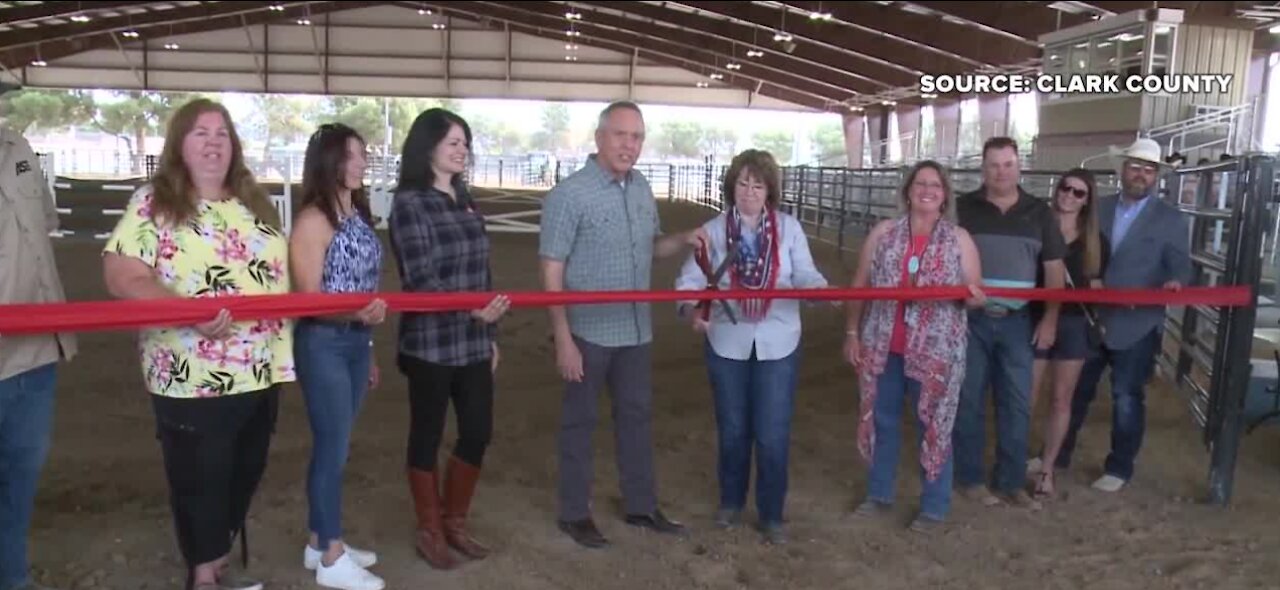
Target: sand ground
(102, 517)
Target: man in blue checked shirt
(600, 232)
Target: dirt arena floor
(103, 521)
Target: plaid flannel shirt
(441, 245)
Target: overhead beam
(1028, 20)
(913, 59)
(860, 74)
(924, 31)
(470, 10)
(14, 15)
(795, 74)
(691, 58)
(53, 49)
(163, 18)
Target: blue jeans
(26, 424)
(892, 389)
(754, 402)
(332, 362)
(1000, 355)
(1130, 370)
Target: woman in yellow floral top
(204, 228)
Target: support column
(854, 124)
(877, 131)
(993, 116)
(946, 130)
(909, 132)
(1259, 79)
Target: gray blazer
(1155, 250)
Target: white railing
(1227, 128)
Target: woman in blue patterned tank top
(334, 249)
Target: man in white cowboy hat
(28, 274)
(1150, 250)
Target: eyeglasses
(1078, 193)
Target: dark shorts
(1072, 342)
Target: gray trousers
(627, 373)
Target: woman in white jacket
(752, 345)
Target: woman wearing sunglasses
(912, 351)
(1078, 331)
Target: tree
(679, 139)
(829, 142)
(778, 142)
(718, 142)
(135, 115)
(280, 117)
(554, 135)
(46, 109)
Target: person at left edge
(204, 228)
(28, 364)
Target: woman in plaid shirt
(440, 244)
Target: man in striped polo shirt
(1017, 235)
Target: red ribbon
(134, 314)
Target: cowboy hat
(1143, 149)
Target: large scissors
(713, 282)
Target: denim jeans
(893, 389)
(999, 355)
(754, 402)
(332, 362)
(1130, 370)
(26, 423)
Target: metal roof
(824, 56)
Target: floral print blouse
(223, 250)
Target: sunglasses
(1078, 193)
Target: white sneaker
(1034, 466)
(1109, 483)
(346, 574)
(311, 557)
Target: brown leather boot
(460, 486)
(431, 543)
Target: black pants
(215, 452)
(431, 386)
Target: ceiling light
(733, 66)
(39, 63)
(571, 58)
(424, 11)
(754, 53)
(170, 45)
(819, 16)
(782, 36)
(702, 85)
(130, 34)
(717, 76)
(304, 21)
(437, 26)
(277, 7)
(888, 103)
(79, 18)
(571, 47)
(573, 33)
(855, 108)
(571, 15)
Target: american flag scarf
(755, 268)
